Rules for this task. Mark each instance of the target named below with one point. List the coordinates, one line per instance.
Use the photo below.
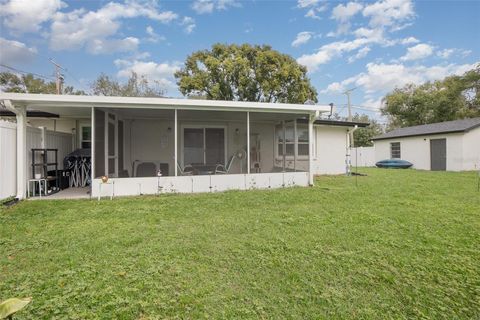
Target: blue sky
(373, 46)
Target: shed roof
(454, 126)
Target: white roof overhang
(51, 101)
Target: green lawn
(401, 244)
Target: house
(451, 145)
(152, 145)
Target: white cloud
(189, 24)
(362, 53)
(343, 13)
(153, 36)
(208, 6)
(162, 73)
(420, 51)
(80, 28)
(27, 16)
(307, 3)
(15, 52)
(447, 53)
(302, 38)
(409, 40)
(314, 8)
(105, 46)
(378, 79)
(336, 49)
(389, 13)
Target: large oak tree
(245, 73)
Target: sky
(371, 47)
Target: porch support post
(21, 116)
(92, 139)
(175, 128)
(248, 142)
(295, 149)
(311, 120)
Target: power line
(26, 72)
(49, 59)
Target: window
(395, 150)
(300, 147)
(86, 137)
(302, 136)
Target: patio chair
(188, 170)
(222, 169)
(146, 169)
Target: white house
(451, 145)
(152, 145)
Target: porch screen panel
(214, 146)
(120, 145)
(193, 146)
(99, 143)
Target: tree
(245, 73)
(136, 86)
(363, 136)
(455, 97)
(28, 83)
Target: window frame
(81, 135)
(393, 145)
(279, 151)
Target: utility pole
(349, 106)
(58, 76)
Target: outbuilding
(445, 146)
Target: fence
(8, 152)
(366, 156)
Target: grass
(401, 244)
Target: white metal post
(295, 145)
(176, 142)
(248, 142)
(92, 139)
(21, 151)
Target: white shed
(451, 145)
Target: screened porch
(148, 151)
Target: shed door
(438, 154)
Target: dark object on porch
(63, 177)
(78, 166)
(149, 168)
(146, 169)
(394, 164)
(44, 163)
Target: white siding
(8, 159)
(330, 150)
(366, 156)
(471, 150)
(8, 153)
(417, 150)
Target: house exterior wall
(471, 150)
(330, 149)
(417, 150)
